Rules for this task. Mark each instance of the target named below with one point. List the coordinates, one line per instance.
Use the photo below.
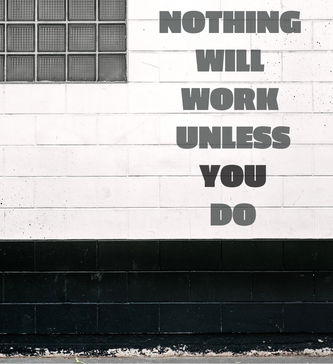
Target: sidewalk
(229, 360)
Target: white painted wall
(100, 161)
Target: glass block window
(62, 40)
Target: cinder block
(35, 224)
(66, 192)
(322, 34)
(17, 130)
(16, 192)
(323, 160)
(323, 226)
(190, 318)
(302, 128)
(297, 160)
(201, 226)
(136, 11)
(143, 66)
(146, 287)
(96, 224)
(295, 97)
(66, 129)
(283, 286)
(291, 223)
(319, 10)
(308, 191)
(322, 100)
(221, 286)
(315, 66)
(316, 314)
(34, 161)
(188, 192)
(128, 129)
(284, 41)
(97, 161)
(308, 255)
(34, 99)
(128, 192)
(252, 318)
(269, 195)
(158, 161)
(159, 224)
(220, 157)
(148, 98)
(169, 124)
(182, 67)
(96, 98)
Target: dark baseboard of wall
(144, 345)
(165, 287)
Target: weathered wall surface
(101, 160)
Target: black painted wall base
(109, 345)
(166, 287)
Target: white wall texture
(100, 161)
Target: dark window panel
(82, 10)
(81, 38)
(112, 38)
(128, 319)
(51, 68)
(20, 38)
(112, 10)
(21, 10)
(112, 67)
(82, 68)
(51, 38)
(51, 10)
(20, 68)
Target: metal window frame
(66, 23)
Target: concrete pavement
(174, 360)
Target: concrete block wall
(111, 287)
(100, 161)
(105, 221)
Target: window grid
(88, 62)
